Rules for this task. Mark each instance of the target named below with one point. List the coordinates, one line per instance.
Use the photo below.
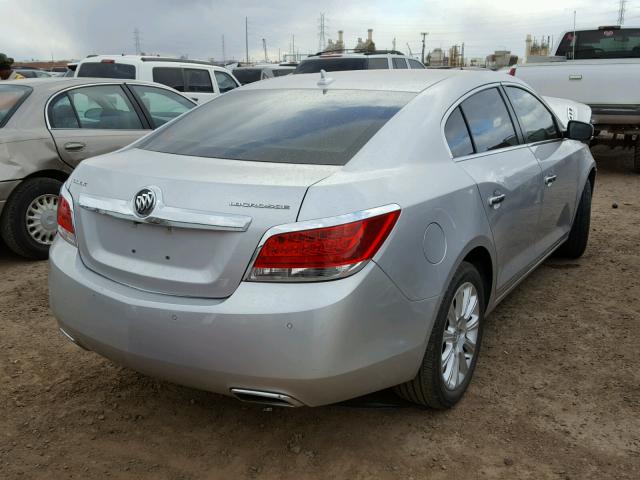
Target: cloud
(76, 28)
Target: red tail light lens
(65, 220)
(512, 71)
(322, 253)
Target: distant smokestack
(370, 34)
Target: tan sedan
(48, 126)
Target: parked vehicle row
(48, 126)
(352, 239)
(200, 80)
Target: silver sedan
(314, 238)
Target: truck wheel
(576, 244)
(636, 155)
(29, 218)
(454, 344)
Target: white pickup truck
(601, 68)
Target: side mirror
(579, 131)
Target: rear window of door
(197, 80)
(415, 64)
(489, 121)
(161, 105)
(378, 64)
(457, 134)
(169, 76)
(107, 70)
(225, 82)
(399, 63)
(536, 121)
(104, 107)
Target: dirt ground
(556, 393)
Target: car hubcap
(41, 218)
(460, 335)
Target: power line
(623, 4)
(322, 40)
(137, 41)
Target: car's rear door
(91, 120)
(559, 160)
(507, 175)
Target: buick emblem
(144, 202)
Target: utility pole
(462, 62)
(573, 54)
(136, 41)
(409, 48)
(224, 55)
(623, 5)
(264, 46)
(246, 37)
(424, 35)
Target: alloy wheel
(460, 335)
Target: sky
(72, 29)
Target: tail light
(512, 71)
(323, 249)
(66, 230)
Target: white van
(199, 80)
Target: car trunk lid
(210, 216)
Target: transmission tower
(137, 41)
(322, 39)
(623, 6)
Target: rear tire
(434, 385)
(35, 197)
(576, 244)
(636, 155)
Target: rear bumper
(318, 343)
(615, 114)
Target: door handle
(74, 146)
(549, 179)
(496, 200)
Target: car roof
(135, 59)
(54, 84)
(386, 80)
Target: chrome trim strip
(319, 223)
(165, 215)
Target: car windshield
(331, 65)
(604, 43)
(247, 75)
(283, 126)
(107, 70)
(11, 96)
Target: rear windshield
(247, 75)
(11, 96)
(283, 126)
(589, 44)
(107, 70)
(331, 65)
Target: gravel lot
(556, 393)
